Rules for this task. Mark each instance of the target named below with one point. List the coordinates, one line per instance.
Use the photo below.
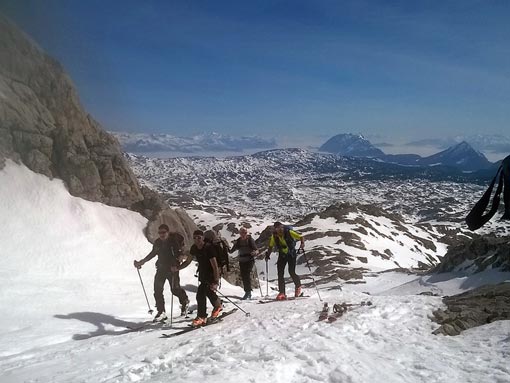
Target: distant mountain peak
(349, 144)
(461, 156)
(200, 143)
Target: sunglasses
(162, 232)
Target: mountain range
(205, 142)
(355, 212)
(461, 156)
(69, 288)
(496, 143)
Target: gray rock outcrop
(477, 254)
(43, 125)
(477, 307)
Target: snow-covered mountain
(353, 145)
(373, 214)
(289, 183)
(206, 142)
(483, 142)
(461, 156)
(69, 290)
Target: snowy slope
(69, 289)
(59, 255)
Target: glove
(138, 264)
(268, 256)
(214, 286)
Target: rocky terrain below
(477, 307)
(356, 214)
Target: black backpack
(222, 254)
(249, 242)
(476, 218)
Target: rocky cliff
(473, 308)
(43, 125)
(472, 255)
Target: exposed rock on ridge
(477, 307)
(44, 125)
(477, 254)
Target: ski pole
(236, 305)
(258, 279)
(172, 291)
(301, 250)
(144, 293)
(267, 279)
(171, 299)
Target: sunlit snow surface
(68, 289)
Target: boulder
(477, 307)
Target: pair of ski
(210, 321)
(339, 309)
(157, 324)
(270, 300)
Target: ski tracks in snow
(283, 342)
(390, 341)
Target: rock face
(483, 305)
(477, 254)
(234, 275)
(43, 125)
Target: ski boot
(160, 317)
(247, 295)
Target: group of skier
(209, 255)
(169, 248)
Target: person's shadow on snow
(99, 320)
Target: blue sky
(301, 71)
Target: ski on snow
(269, 300)
(191, 328)
(157, 324)
(340, 309)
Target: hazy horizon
(300, 72)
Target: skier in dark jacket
(168, 248)
(285, 240)
(247, 249)
(205, 252)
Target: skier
(168, 248)
(285, 239)
(205, 253)
(247, 249)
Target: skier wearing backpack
(168, 248)
(205, 252)
(247, 249)
(285, 239)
